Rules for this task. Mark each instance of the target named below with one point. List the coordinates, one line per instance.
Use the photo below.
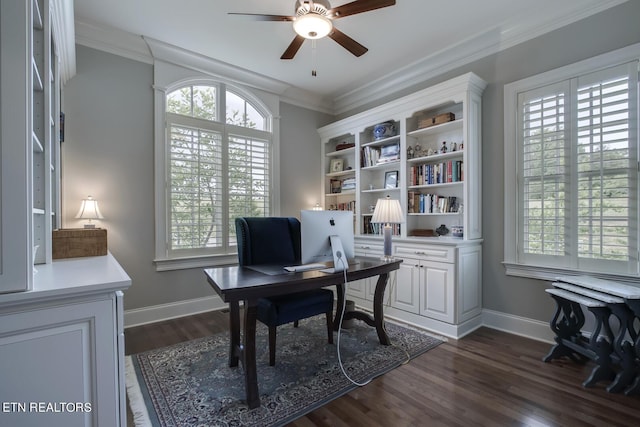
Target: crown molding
(113, 41)
(474, 48)
(64, 36)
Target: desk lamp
(387, 212)
(89, 210)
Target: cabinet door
(357, 289)
(62, 353)
(404, 286)
(437, 291)
(469, 283)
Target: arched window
(218, 167)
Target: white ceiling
(402, 38)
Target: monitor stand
(340, 261)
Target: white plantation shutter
(195, 188)
(577, 177)
(607, 159)
(249, 178)
(545, 160)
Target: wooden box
(422, 232)
(436, 120)
(79, 242)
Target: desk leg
(249, 354)
(378, 314)
(234, 333)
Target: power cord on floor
(344, 306)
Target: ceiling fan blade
(293, 48)
(358, 7)
(260, 17)
(347, 42)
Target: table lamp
(387, 212)
(89, 210)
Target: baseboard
(512, 324)
(529, 328)
(157, 313)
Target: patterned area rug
(191, 384)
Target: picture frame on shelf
(335, 186)
(336, 165)
(389, 153)
(391, 179)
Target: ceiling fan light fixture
(312, 26)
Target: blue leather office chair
(276, 240)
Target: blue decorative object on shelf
(384, 130)
(442, 230)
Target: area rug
(191, 384)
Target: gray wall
(108, 153)
(607, 31)
(300, 158)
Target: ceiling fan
(314, 20)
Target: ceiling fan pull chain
(314, 59)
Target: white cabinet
(427, 156)
(432, 267)
(405, 290)
(437, 291)
(61, 344)
(365, 288)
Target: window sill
(194, 262)
(551, 273)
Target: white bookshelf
(439, 283)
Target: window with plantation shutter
(571, 171)
(218, 167)
(195, 187)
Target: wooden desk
(235, 284)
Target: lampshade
(387, 211)
(89, 210)
(312, 26)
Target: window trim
(267, 103)
(511, 196)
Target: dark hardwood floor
(488, 378)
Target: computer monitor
(319, 245)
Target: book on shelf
(369, 156)
(346, 206)
(389, 153)
(431, 203)
(436, 173)
(369, 227)
(348, 184)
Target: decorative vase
(442, 230)
(384, 130)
